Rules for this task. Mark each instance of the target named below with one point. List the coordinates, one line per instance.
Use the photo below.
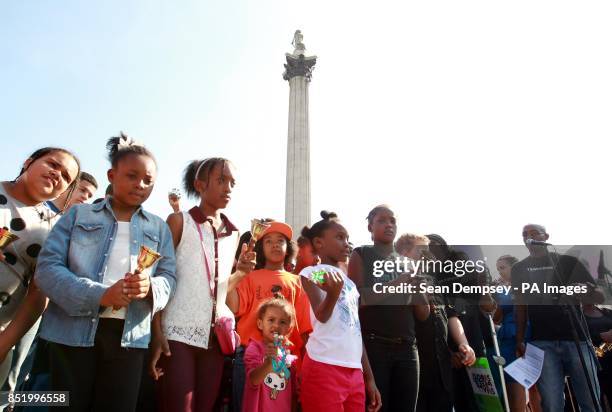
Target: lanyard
(212, 283)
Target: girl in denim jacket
(99, 316)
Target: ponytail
(316, 230)
(121, 146)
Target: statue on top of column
(297, 42)
(298, 64)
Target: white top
(117, 265)
(32, 224)
(187, 316)
(337, 341)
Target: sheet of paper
(527, 370)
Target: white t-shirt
(117, 265)
(337, 341)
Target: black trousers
(396, 371)
(432, 394)
(105, 377)
(463, 396)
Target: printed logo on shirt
(275, 383)
(348, 307)
(274, 290)
(539, 268)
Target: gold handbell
(6, 237)
(146, 258)
(258, 227)
(602, 349)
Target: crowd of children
(117, 296)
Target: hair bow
(126, 141)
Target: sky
(469, 118)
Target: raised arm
(245, 265)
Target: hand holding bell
(247, 259)
(146, 258)
(258, 227)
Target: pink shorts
(331, 388)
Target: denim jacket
(70, 271)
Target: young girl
(305, 256)
(99, 316)
(267, 388)
(273, 250)
(506, 336)
(388, 321)
(46, 174)
(191, 369)
(335, 365)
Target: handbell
(603, 349)
(258, 227)
(6, 238)
(146, 258)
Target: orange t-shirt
(258, 286)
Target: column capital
(299, 65)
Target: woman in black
(436, 377)
(387, 322)
(600, 329)
(468, 311)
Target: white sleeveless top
(187, 316)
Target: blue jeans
(561, 359)
(238, 379)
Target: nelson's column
(298, 71)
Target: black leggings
(105, 377)
(396, 371)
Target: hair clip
(126, 141)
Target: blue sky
(470, 119)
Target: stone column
(298, 71)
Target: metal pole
(500, 361)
